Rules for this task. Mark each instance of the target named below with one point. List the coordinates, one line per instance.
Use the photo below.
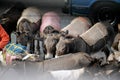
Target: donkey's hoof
(57, 56)
(48, 56)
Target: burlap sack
(95, 33)
(77, 26)
(32, 14)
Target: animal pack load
(50, 19)
(116, 42)
(29, 15)
(78, 26)
(98, 32)
(27, 27)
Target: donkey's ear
(78, 36)
(63, 33)
(17, 33)
(48, 29)
(54, 31)
(69, 40)
(62, 37)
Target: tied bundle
(12, 51)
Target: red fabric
(4, 37)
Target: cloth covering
(32, 14)
(15, 48)
(50, 19)
(77, 26)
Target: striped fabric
(14, 49)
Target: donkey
(77, 26)
(50, 43)
(99, 37)
(8, 19)
(50, 27)
(27, 27)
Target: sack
(94, 34)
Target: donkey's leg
(99, 45)
(36, 47)
(28, 46)
(110, 51)
(42, 54)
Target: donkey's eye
(17, 33)
(26, 33)
(63, 49)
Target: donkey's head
(64, 44)
(22, 38)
